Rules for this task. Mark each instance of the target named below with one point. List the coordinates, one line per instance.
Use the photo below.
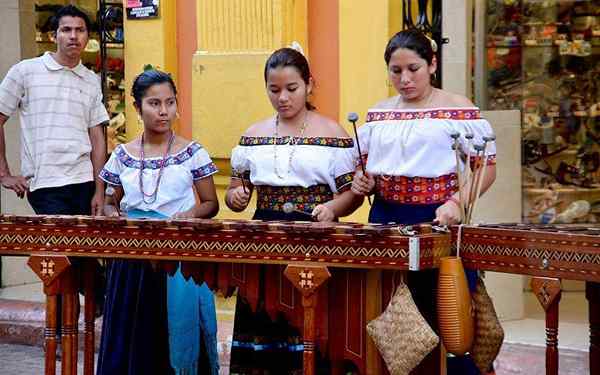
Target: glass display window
(542, 57)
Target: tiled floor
(519, 359)
(514, 359)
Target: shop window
(112, 69)
(543, 58)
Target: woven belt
(416, 190)
(304, 199)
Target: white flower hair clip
(296, 46)
(434, 46)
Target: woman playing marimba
(411, 167)
(297, 156)
(157, 175)
(300, 163)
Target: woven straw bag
(488, 331)
(401, 334)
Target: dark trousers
(72, 199)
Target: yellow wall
(364, 29)
(228, 92)
(148, 41)
(234, 40)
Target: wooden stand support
(548, 292)
(58, 277)
(90, 267)
(592, 293)
(307, 279)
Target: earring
(177, 114)
(139, 120)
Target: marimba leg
(69, 322)
(307, 279)
(50, 334)
(51, 270)
(592, 293)
(90, 267)
(548, 293)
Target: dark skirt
(423, 284)
(134, 330)
(270, 215)
(260, 345)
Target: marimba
(226, 254)
(548, 253)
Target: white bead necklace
(291, 143)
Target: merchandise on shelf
(543, 58)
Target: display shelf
(543, 58)
(111, 46)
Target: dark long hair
(290, 57)
(147, 79)
(413, 40)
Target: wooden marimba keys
(225, 254)
(548, 253)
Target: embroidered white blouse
(418, 143)
(175, 193)
(305, 162)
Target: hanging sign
(140, 9)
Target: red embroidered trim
(444, 114)
(417, 190)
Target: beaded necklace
(291, 143)
(151, 198)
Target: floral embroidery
(447, 114)
(304, 199)
(109, 177)
(204, 171)
(310, 141)
(343, 182)
(417, 190)
(176, 159)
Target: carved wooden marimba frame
(549, 253)
(228, 254)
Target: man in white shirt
(59, 102)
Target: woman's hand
(448, 213)
(362, 184)
(189, 214)
(323, 213)
(110, 210)
(239, 198)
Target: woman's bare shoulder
(389, 103)
(263, 128)
(180, 143)
(327, 127)
(450, 99)
(132, 147)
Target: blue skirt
(383, 212)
